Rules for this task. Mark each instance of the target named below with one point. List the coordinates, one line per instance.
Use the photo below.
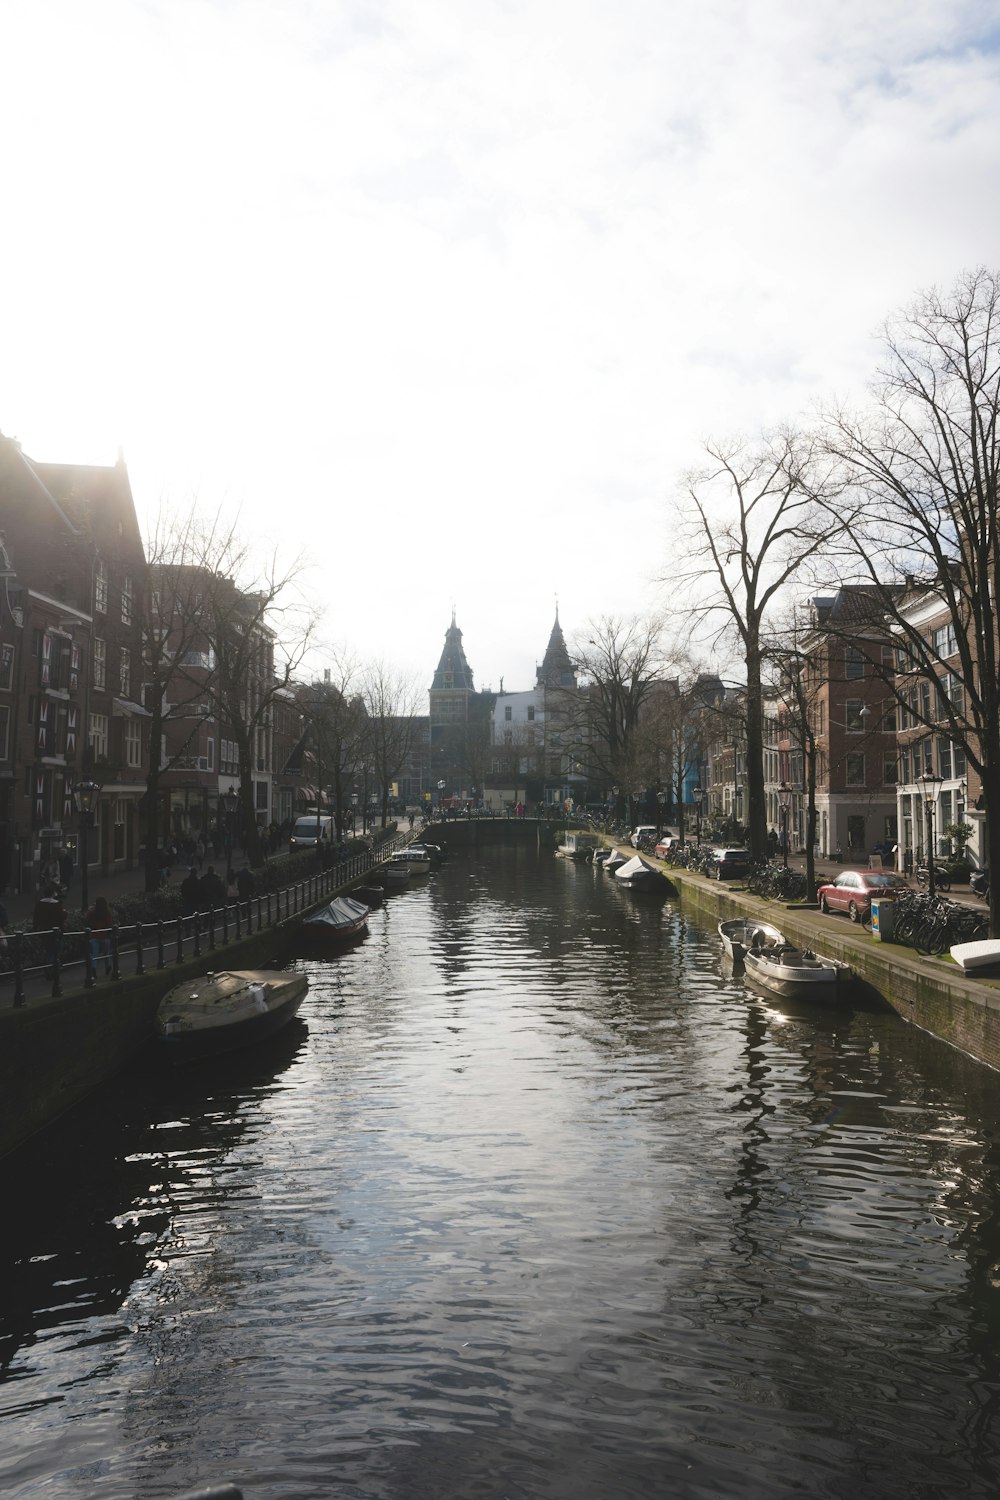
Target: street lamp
(784, 802)
(85, 795)
(698, 796)
(440, 796)
(932, 786)
(661, 798)
(230, 801)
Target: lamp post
(85, 795)
(784, 802)
(440, 797)
(932, 786)
(661, 798)
(698, 796)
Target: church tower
(459, 723)
(557, 670)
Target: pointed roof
(453, 671)
(557, 669)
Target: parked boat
(636, 875)
(614, 861)
(339, 923)
(433, 852)
(578, 846)
(982, 955)
(413, 859)
(737, 936)
(369, 895)
(221, 1012)
(394, 875)
(788, 972)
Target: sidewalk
(112, 887)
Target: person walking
(49, 917)
(190, 891)
(100, 919)
(211, 891)
(65, 868)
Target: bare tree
(391, 699)
(925, 464)
(335, 728)
(754, 518)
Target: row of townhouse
(888, 773)
(78, 609)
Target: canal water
(534, 1200)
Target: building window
(855, 664)
(6, 667)
(904, 766)
(960, 761)
(944, 757)
(210, 752)
(126, 600)
(508, 713)
(854, 715)
(125, 673)
(945, 642)
(889, 716)
(100, 664)
(133, 743)
(5, 732)
(890, 769)
(99, 734)
(856, 768)
(100, 587)
(531, 715)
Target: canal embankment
(929, 992)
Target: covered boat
(738, 934)
(344, 919)
(613, 862)
(787, 971)
(982, 955)
(636, 875)
(221, 1012)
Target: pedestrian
(211, 891)
(100, 919)
(246, 886)
(190, 892)
(49, 873)
(65, 868)
(199, 852)
(410, 816)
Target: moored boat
(738, 934)
(338, 923)
(788, 972)
(221, 1012)
(578, 846)
(636, 875)
(613, 862)
(393, 876)
(369, 895)
(416, 862)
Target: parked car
(669, 842)
(852, 891)
(727, 864)
(645, 833)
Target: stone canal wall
(929, 992)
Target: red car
(852, 891)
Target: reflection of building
(73, 578)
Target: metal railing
(50, 955)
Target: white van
(304, 834)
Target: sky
(442, 297)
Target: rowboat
(221, 1012)
(737, 936)
(788, 972)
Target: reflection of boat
(578, 846)
(982, 955)
(737, 935)
(220, 1012)
(338, 923)
(636, 875)
(788, 971)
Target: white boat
(578, 846)
(737, 936)
(982, 955)
(412, 860)
(394, 875)
(613, 862)
(636, 875)
(220, 1012)
(788, 972)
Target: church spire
(453, 671)
(557, 669)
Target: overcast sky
(447, 293)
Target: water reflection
(546, 1203)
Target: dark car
(852, 891)
(729, 863)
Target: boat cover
(341, 915)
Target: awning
(124, 708)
